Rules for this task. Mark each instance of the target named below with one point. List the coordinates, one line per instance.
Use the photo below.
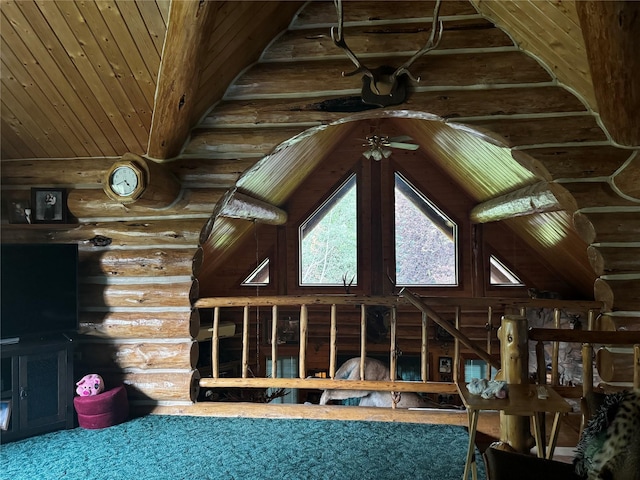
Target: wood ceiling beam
(611, 30)
(176, 95)
(538, 198)
(239, 205)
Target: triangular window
(329, 240)
(425, 240)
(259, 277)
(501, 275)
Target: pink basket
(103, 410)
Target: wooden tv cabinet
(37, 377)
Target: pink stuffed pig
(89, 385)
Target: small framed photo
(445, 365)
(5, 414)
(48, 205)
(19, 211)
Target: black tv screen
(39, 290)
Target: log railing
(425, 305)
(588, 338)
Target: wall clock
(125, 181)
(134, 179)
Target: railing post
(215, 340)
(333, 349)
(393, 354)
(514, 353)
(424, 350)
(245, 341)
(456, 349)
(304, 320)
(489, 333)
(363, 338)
(555, 380)
(274, 341)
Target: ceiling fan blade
(401, 139)
(404, 146)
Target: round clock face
(124, 181)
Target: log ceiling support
(244, 207)
(538, 198)
(610, 30)
(179, 77)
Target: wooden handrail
(423, 307)
(584, 336)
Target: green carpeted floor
(173, 447)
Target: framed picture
(5, 414)
(48, 205)
(444, 365)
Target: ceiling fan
(379, 146)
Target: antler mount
(385, 86)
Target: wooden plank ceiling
(195, 81)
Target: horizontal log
(618, 294)
(149, 262)
(75, 171)
(301, 44)
(620, 323)
(93, 203)
(614, 260)
(446, 70)
(174, 294)
(138, 355)
(203, 173)
(595, 194)
(615, 366)
(538, 198)
(131, 325)
(607, 226)
(157, 386)
(446, 104)
(320, 412)
(324, 12)
(534, 131)
(323, 384)
(121, 233)
(223, 143)
(583, 336)
(292, 300)
(627, 180)
(580, 161)
(66, 171)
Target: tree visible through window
(329, 240)
(425, 240)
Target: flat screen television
(39, 291)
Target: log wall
(139, 264)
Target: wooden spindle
(489, 333)
(456, 348)
(215, 340)
(393, 354)
(304, 320)
(274, 341)
(541, 362)
(245, 341)
(587, 358)
(363, 338)
(555, 375)
(424, 349)
(636, 366)
(332, 346)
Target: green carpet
(175, 447)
